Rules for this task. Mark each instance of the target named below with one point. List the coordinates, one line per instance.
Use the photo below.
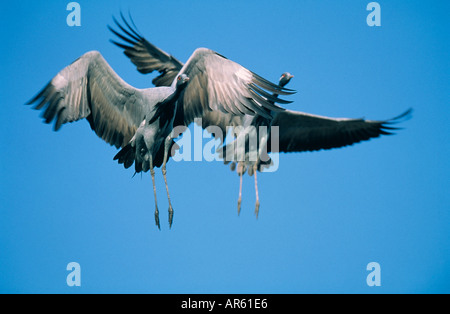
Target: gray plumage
(89, 88)
(140, 121)
(298, 131)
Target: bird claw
(157, 218)
(239, 206)
(257, 209)
(170, 216)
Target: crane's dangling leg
(255, 170)
(262, 147)
(240, 170)
(152, 172)
(167, 143)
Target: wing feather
(144, 55)
(300, 131)
(230, 88)
(216, 83)
(89, 88)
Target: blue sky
(324, 215)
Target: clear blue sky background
(324, 215)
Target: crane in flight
(140, 121)
(298, 131)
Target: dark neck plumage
(176, 94)
(165, 110)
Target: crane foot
(170, 216)
(257, 209)
(157, 218)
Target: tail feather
(127, 156)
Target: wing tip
(405, 116)
(133, 34)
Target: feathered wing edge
(144, 55)
(89, 88)
(303, 132)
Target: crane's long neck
(165, 110)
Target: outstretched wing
(89, 88)
(216, 83)
(300, 131)
(219, 84)
(145, 56)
